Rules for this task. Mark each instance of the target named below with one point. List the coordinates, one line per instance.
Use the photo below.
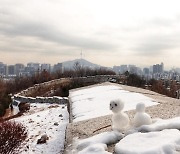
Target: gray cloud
(50, 33)
(150, 23)
(63, 28)
(157, 44)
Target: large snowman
(120, 120)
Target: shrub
(11, 136)
(2, 110)
(135, 80)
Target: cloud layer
(108, 32)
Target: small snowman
(120, 120)
(141, 118)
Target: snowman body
(141, 118)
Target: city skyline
(29, 64)
(108, 32)
(155, 71)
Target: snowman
(120, 120)
(141, 118)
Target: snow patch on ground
(94, 102)
(163, 142)
(98, 143)
(97, 148)
(161, 124)
(41, 120)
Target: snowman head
(140, 107)
(116, 105)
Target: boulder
(23, 107)
(43, 139)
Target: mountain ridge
(82, 62)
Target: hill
(82, 62)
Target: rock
(31, 121)
(56, 124)
(43, 139)
(60, 115)
(23, 107)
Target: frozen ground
(45, 119)
(166, 141)
(94, 102)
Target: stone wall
(23, 96)
(55, 99)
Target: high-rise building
(162, 67)
(11, 70)
(158, 68)
(146, 71)
(58, 67)
(46, 67)
(32, 68)
(133, 69)
(155, 68)
(2, 69)
(36, 66)
(19, 68)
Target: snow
(163, 142)
(163, 137)
(15, 110)
(95, 149)
(141, 117)
(94, 101)
(98, 143)
(105, 138)
(161, 124)
(39, 121)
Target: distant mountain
(82, 62)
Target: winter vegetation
(164, 87)
(4, 98)
(12, 135)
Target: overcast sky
(109, 32)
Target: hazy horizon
(148, 66)
(109, 33)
